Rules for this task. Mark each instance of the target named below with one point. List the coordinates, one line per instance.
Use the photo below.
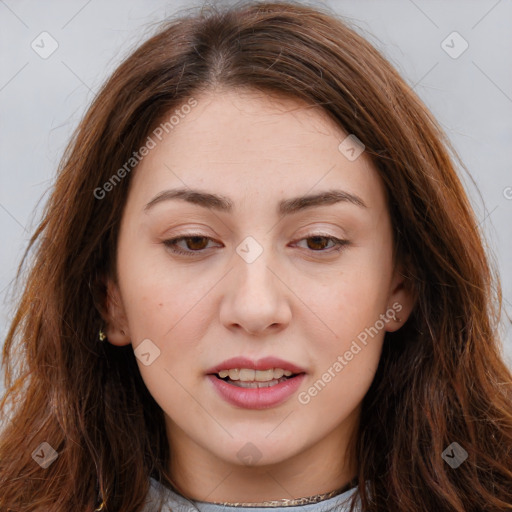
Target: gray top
(162, 499)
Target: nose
(256, 298)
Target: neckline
(286, 502)
(343, 493)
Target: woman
(258, 283)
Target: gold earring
(100, 508)
(101, 335)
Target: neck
(322, 468)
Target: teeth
(248, 375)
(278, 373)
(262, 375)
(269, 384)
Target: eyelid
(171, 243)
(340, 243)
(315, 234)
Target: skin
(291, 302)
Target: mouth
(249, 378)
(250, 384)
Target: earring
(100, 508)
(395, 318)
(102, 335)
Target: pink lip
(256, 398)
(261, 364)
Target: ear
(116, 328)
(401, 301)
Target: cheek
(161, 297)
(349, 342)
(337, 390)
(172, 313)
(174, 322)
(353, 298)
(348, 353)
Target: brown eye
(195, 242)
(319, 242)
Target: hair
(441, 377)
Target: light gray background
(42, 100)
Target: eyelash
(171, 243)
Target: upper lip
(261, 364)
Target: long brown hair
(441, 378)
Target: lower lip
(256, 398)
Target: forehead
(259, 127)
(243, 141)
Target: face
(258, 272)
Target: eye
(194, 241)
(317, 243)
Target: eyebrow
(285, 207)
